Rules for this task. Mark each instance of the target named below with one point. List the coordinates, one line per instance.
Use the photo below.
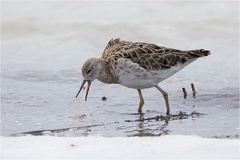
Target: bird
(137, 65)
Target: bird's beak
(89, 83)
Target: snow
(164, 147)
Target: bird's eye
(88, 71)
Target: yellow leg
(141, 103)
(165, 95)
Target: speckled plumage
(138, 65)
(148, 56)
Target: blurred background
(45, 43)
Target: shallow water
(44, 45)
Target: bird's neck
(107, 74)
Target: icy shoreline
(172, 146)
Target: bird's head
(90, 72)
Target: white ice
(164, 147)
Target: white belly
(139, 78)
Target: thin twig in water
(193, 90)
(184, 93)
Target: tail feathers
(198, 53)
(204, 52)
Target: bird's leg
(165, 95)
(141, 101)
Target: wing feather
(149, 56)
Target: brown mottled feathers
(149, 56)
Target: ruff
(137, 65)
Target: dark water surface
(42, 55)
